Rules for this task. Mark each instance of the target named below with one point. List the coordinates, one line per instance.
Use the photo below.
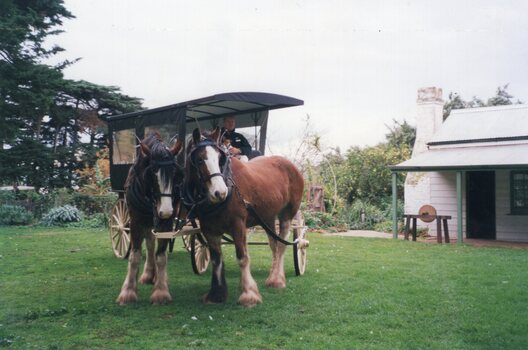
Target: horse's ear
(145, 150)
(196, 136)
(174, 150)
(215, 135)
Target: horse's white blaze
(165, 204)
(217, 184)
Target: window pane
(168, 132)
(519, 191)
(124, 146)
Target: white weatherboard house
(473, 167)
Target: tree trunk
(56, 140)
(38, 128)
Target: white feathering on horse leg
(128, 291)
(149, 270)
(277, 278)
(160, 293)
(250, 295)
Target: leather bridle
(224, 158)
(194, 199)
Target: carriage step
(173, 234)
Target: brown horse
(216, 186)
(152, 193)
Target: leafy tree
(455, 101)
(366, 174)
(26, 86)
(44, 118)
(401, 134)
(502, 97)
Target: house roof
(476, 139)
(487, 124)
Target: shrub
(384, 226)
(99, 220)
(61, 216)
(93, 204)
(352, 215)
(319, 220)
(14, 215)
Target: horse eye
(200, 161)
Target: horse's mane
(135, 183)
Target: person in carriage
(235, 143)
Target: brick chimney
(429, 117)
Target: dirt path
(473, 242)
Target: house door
(480, 204)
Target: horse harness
(202, 205)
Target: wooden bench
(440, 219)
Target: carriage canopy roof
(221, 105)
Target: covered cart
(250, 110)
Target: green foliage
(30, 162)
(401, 134)
(360, 181)
(14, 215)
(455, 101)
(96, 208)
(364, 174)
(61, 215)
(99, 220)
(91, 205)
(45, 152)
(322, 220)
(352, 215)
(359, 215)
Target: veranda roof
(489, 156)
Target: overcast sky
(356, 64)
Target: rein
(269, 231)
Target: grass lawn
(58, 289)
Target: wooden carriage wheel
(200, 256)
(299, 249)
(120, 229)
(186, 239)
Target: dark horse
(217, 187)
(152, 193)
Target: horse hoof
(127, 297)
(160, 297)
(250, 299)
(147, 279)
(276, 283)
(214, 299)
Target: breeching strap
(269, 231)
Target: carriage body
(177, 121)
